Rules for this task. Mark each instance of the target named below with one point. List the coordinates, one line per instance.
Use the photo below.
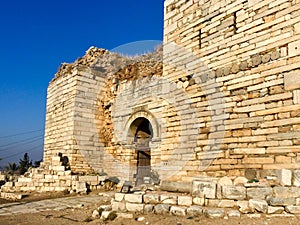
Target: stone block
(2, 177)
(275, 210)
(294, 48)
(148, 208)
(259, 205)
(281, 201)
(151, 198)
(194, 210)
(259, 192)
(234, 192)
(173, 186)
(134, 198)
(240, 181)
(292, 80)
(214, 213)
(206, 189)
(199, 201)
(185, 200)
(286, 192)
(168, 199)
(225, 181)
(162, 209)
(134, 207)
(234, 213)
(119, 197)
(118, 206)
(296, 178)
(178, 211)
(244, 207)
(81, 187)
(293, 209)
(285, 177)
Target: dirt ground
(82, 216)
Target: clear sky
(37, 36)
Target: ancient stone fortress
(214, 113)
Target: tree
(24, 164)
(12, 168)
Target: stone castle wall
(244, 59)
(224, 100)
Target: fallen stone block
(259, 205)
(206, 189)
(178, 211)
(234, 192)
(285, 177)
(118, 206)
(244, 207)
(173, 186)
(199, 201)
(148, 208)
(293, 209)
(168, 199)
(281, 201)
(185, 200)
(194, 210)
(259, 192)
(119, 197)
(151, 198)
(214, 213)
(286, 192)
(134, 207)
(134, 198)
(234, 213)
(275, 210)
(162, 209)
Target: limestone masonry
(218, 102)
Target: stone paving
(49, 204)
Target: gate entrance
(142, 138)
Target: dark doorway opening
(142, 138)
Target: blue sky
(37, 36)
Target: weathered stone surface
(286, 192)
(151, 198)
(178, 211)
(134, 207)
(194, 210)
(275, 210)
(148, 208)
(292, 80)
(199, 201)
(281, 201)
(296, 178)
(225, 181)
(240, 181)
(185, 200)
(168, 199)
(259, 192)
(162, 209)
(95, 213)
(285, 177)
(125, 215)
(234, 192)
(204, 189)
(214, 213)
(134, 198)
(184, 187)
(244, 207)
(118, 206)
(293, 209)
(259, 205)
(234, 213)
(119, 197)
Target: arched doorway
(142, 130)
